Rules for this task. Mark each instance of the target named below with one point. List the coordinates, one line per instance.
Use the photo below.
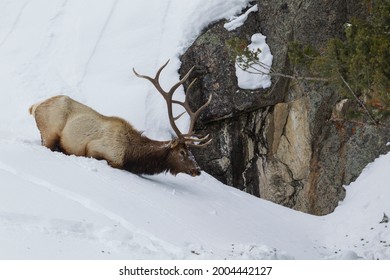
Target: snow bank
(54, 206)
(236, 22)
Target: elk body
(73, 128)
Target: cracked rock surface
(282, 144)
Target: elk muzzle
(194, 172)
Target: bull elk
(73, 128)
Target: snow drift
(54, 206)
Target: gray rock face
(288, 144)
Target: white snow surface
(54, 206)
(237, 21)
(256, 77)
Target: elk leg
(50, 142)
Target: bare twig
(250, 68)
(361, 103)
(277, 74)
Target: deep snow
(54, 206)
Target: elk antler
(190, 138)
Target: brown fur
(73, 128)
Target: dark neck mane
(147, 156)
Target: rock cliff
(284, 144)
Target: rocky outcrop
(289, 144)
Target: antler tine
(188, 138)
(200, 145)
(178, 117)
(195, 115)
(191, 84)
(167, 95)
(182, 103)
(182, 81)
(156, 80)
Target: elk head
(180, 158)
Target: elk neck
(147, 156)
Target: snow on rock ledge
(257, 78)
(236, 22)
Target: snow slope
(54, 206)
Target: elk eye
(182, 153)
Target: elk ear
(174, 143)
